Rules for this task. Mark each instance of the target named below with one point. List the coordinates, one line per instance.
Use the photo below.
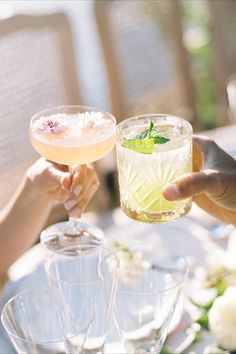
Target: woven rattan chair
(37, 71)
(142, 72)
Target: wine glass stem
(74, 226)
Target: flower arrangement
(215, 297)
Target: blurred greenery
(205, 88)
(196, 14)
(196, 26)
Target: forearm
(21, 221)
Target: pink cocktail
(73, 138)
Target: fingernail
(75, 212)
(70, 203)
(172, 192)
(77, 189)
(65, 182)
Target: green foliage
(195, 13)
(165, 350)
(220, 286)
(203, 322)
(205, 87)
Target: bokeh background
(125, 56)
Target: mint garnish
(144, 142)
(150, 129)
(160, 139)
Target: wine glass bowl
(40, 320)
(78, 264)
(146, 296)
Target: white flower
(210, 349)
(91, 119)
(222, 264)
(131, 266)
(204, 296)
(217, 262)
(200, 279)
(231, 252)
(222, 319)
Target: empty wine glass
(79, 265)
(148, 290)
(42, 321)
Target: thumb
(190, 184)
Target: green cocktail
(152, 151)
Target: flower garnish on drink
(52, 125)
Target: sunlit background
(157, 48)
(125, 56)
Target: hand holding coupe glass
(55, 181)
(73, 135)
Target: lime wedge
(142, 146)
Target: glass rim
(118, 128)
(42, 342)
(86, 245)
(60, 107)
(176, 285)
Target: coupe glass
(42, 321)
(72, 135)
(143, 175)
(79, 265)
(146, 297)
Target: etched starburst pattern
(143, 177)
